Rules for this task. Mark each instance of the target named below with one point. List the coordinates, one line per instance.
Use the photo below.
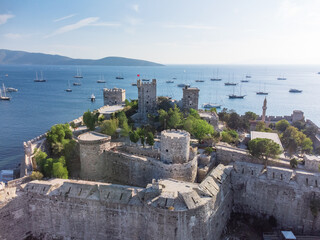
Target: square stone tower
(190, 98)
(147, 98)
(115, 96)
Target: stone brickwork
(312, 163)
(147, 98)
(168, 209)
(277, 192)
(92, 148)
(175, 146)
(190, 98)
(114, 96)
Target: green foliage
(101, 118)
(248, 116)
(163, 118)
(90, 119)
(230, 136)
(150, 139)
(263, 148)
(213, 110)
(199, 128)
(301, 125)
(234, 121)
(58, 133)
(109, 127)
(125, 130)
(294, 163)
(311, 131)
(134, 136)
(174, 117)
(59, 169)
(261, 127)
(194, 113)
(282, 125)
(208, 150)
(293, 140)
(164, 103)
(224, 115)
(36, 175)
(73, 125)
(142, 134)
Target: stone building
(190, 98)
(175, 146)
(312, 163)
(114, 96)
(297, 115)
(147, 98)
(92, 147)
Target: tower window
(167, 150)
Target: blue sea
(37, 106)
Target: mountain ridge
(28, 58)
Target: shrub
(294, 163)
(36, 175)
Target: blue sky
(167, 31)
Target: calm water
(37, 106)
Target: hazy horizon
(179, 32)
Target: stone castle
(171, 191)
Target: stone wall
(115, 96)
(125, 168)
(169, 209)
(278, 192)
(190, 98)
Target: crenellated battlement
(152, 83)
(113, 90)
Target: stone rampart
(277, 192)
(138, 150)
(125, 168)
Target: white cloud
(135, 7)
(91, 21)
(5, 17)
(288, 9)
(63, 18)
(12, 35)
(191, 26)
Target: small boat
(78, 75)
(234, 96)
(176, 78)
(281, 78)
(215, 79)
(199, 80)
(133, 84)
(211, 105)
(119, 77)
(76, 84)
(68, 89)
(183, 85)
(145, 79)
(101, 80)
(6, 75)
(169, 81)
(244, 80)
(230, 84)
(39, 79)
(248, 76)
(262, 93)
(293, 90)
(93, 97)
(3, 95)
(11, 89)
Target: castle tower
(115, 96)
(92, 147)
(175, 146)
(147, 98)
(264, 109)
(190, 98)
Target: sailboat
(68, 89)
(262, 92)
(119, 76)
(217, 77)
(78, 75)
(281, 78)
(234, 96)
(3, 95)
(39, 79)
(93, 97)
(101, 80)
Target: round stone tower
(175, 146)
(92, 147)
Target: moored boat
(3, 95)
(230, 84)
(294, 90)
(183, 85)
(11, 89)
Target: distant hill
(26, 58)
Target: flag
(138, 75)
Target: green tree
(59, 170)
(293, 140)
(58, 133)
(301, 125)
(174, 117)
(234, 121)
(282, 125)
(224, 115)
(194, 113)
(246, 118)
(47, 168)
(142, 134)
(40, 158)
(263, 148)
(294, 163)
(36, 175)
(164, 103)
(134, 137)
(125, 130)
(150, 139)
(90, 119)
(109, 127)
(201, 129)
(230, 136)
(163, 118)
